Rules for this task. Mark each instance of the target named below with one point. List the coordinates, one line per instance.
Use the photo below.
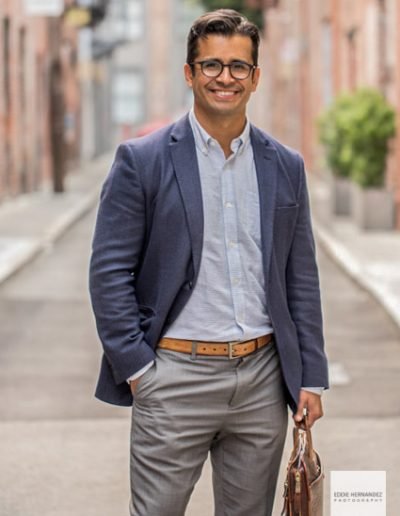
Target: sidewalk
(371, 258)
(33, 222)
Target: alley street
(65, 454)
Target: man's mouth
(224, 94)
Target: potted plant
(356, 131)
(372, 127)
(334, 127)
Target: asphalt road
(62, 453)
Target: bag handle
(303, 426)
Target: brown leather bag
(303, 492)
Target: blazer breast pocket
(286, 212)
(286, 207)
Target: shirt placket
(231, 240)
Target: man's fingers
(313, 405)
(133, 384)
(300, 412)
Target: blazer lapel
(183, 152)
(265, 158)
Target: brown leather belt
(233, 349)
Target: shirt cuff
(140, 372)
(315, 390)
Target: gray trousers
(186, 407)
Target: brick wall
(25, 131)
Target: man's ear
(255, 78)
(187, 70)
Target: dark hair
(224, 22)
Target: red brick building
(315, 49)
(35, 54)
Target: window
(127, 19)
(128, 105)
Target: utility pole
(57, 107)
(57, 115)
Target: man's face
(222, 96)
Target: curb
(27, 249)
(69, 218)
(343, 257)
(25, 252)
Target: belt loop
(194, 350)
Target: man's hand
(133, 384)
(312, 402)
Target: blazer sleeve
(117, 248)
(303, 293)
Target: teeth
(225, 93)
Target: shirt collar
(203, 140)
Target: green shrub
(334, 128)
(355, 131)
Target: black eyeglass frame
(251, 68)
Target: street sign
(78, 17)
(44, 7)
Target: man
(205, 290)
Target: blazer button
(190, 284)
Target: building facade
(315, 49)
(73, 86)
(37, 59)
(147, 80)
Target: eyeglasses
(213, 68)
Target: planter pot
(341, 195)
(373, 208)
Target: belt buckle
(230, 349)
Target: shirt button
(228, 204)
(232, 244)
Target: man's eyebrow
(234, 59)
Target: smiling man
(205, 290)
(222, 73)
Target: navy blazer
(147, 247)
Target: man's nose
(225, 76)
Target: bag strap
(303, 426)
